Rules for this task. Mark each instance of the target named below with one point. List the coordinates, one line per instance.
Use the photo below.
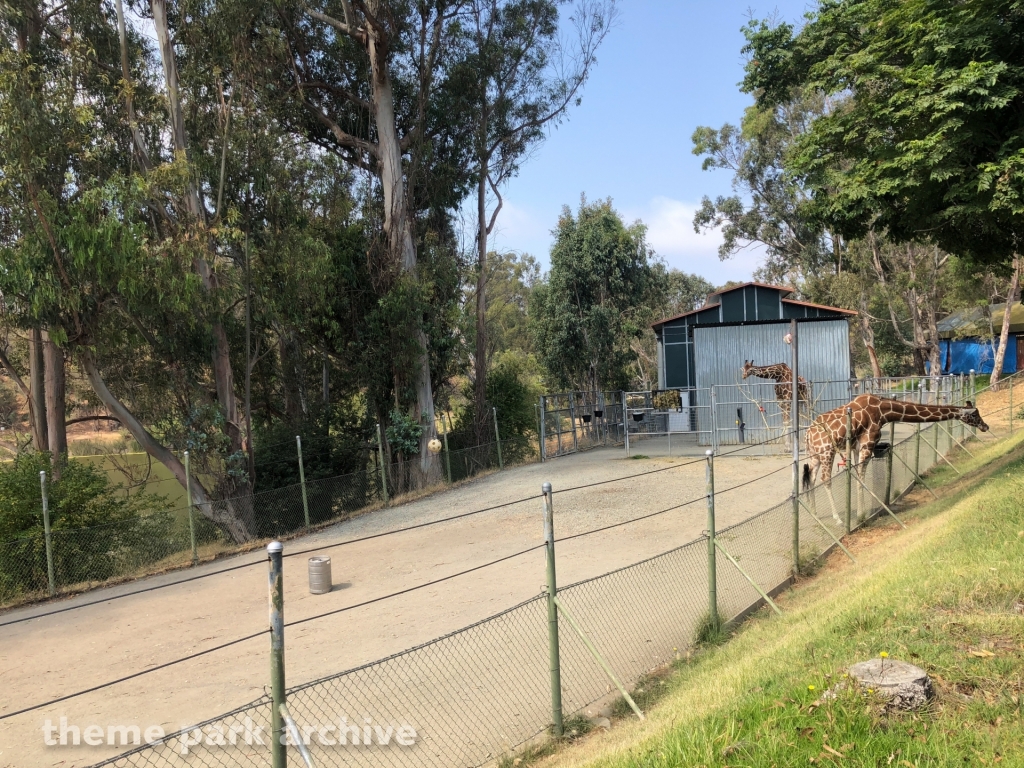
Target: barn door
(1020, 354)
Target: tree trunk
(480, 357)
(327, 381)
(37, 390)
(934, 347)
(221, 353)
(56, 431)
(1004, 333)
(230, 523)
(398, 227)
(867, 334)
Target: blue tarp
(962, 355)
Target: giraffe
(869, 413)
(782, 375)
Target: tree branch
(494, 214)
(19, 383)
(82, 419)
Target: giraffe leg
(826, 480)
(867, 450)
(784, 408)
(810, 472)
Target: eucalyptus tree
(595, 300)
(358, 78)
(57, 144)
(771, 206)
(520, 75)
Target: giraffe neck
(779, 372)
(913, 413)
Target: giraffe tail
(807, 477)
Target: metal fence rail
(478, 693)
(678, 421)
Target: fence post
(447, 453)
(383, 467)
(302, 480)
(917, 435)
(888, 463)
(556, 673)
(572, 420)
(497, 439)
(849, 469)
(794, 420)
(714, 418)
(1011, 403)
(279, 757)
(626, 426)
(540, 430)
(712, 563)
(191, 511)
(46, 535)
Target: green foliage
(403, 434)
(513, 388)
(97, 528)
(596, 298)
(710, 630)
(928, 136)
(83, 497)
(771, 206)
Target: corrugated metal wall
(720, 352)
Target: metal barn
(701, 355)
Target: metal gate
(576, 421)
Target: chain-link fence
(474, 695)
(84, 558)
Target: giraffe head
(747, 367)
(969, 415)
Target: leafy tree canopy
(927, 141)
(596, 299)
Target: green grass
(947, 595)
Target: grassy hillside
(947, 594)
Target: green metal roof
(974, 321)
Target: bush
(513, 386)
(98, 530)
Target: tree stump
(903, 684)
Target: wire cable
(631, 520)
(369, 538)
(413, 589)
(743, 447)
(257, 562)
(262, 632)
(134, 675)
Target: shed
(706, 348)
(968, 339)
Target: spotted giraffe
(869, 413)
(782, 375)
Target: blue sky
(667, 67)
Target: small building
(706, 348)
(968, 340)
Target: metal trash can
(319, 575)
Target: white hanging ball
(788, 338)
(434, 445)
